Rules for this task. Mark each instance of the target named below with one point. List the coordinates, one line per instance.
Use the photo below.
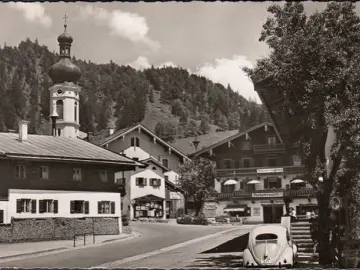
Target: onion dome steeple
(64, 70)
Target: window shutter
(86, 207)
(241, 184)
(41, 206)
(137, 142)
(279, 182)
(112, 206)
(145, 181)
(159, 182)
(137, 181)
(18, 206)
(132, 141)
(55, 206)
(151, 182)
(72, 207)
(99, 208)
(1, 216)
(33, 206)
(266, 183)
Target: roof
(260, 86)
(185, 144)
(127, 130)
(155, 161)
(230, 138)
(58, 148)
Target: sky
(212, 39)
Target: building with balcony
(262, 168)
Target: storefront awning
(235, 208)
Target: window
(20, 171)
(44, 172)
(135, 159)
(227, 188)
(166, 178)
(246, 162)
(135, 141)
(272, 182)
(103, 176)
(75, 111)
(272, 162)
(60, 108)
(77, 174)
(155, 182)
(246, 145)
(106, 207)
(48, 206)
(165, 162)
(79, 207)
(227, 163)
(271, 140)
(1, 216)
(25, 206)
(140, 181)
(296, 160)
(120, 181)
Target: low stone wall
(56, 228)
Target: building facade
(140, 144)
(262, 170)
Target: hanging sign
(270, 170)
(335, 203)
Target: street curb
(162, 250)
(63, 249)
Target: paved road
(154, 237)
(222, 251)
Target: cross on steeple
(65, 17)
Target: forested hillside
(120, 95)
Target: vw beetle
(270, 246)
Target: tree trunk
(325, 257)
(185, 205)
(198, 206)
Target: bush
(125, 220)
(180, 212)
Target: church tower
(64, 94)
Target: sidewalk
(15, 250)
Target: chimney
(23, 130)
(111, 131)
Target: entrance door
(272, 213)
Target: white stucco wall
(64, 198)
(136, 152)
(137, 191)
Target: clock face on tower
(60, 91)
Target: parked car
(270, 246)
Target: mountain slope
(120, 95)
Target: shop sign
(174, 196)
(210, 206)
(270, 170)
(256, 211)
(267, 194)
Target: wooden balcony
(248, 195)
(258, 171)
(269, 148)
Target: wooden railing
(241, 194)
(269, 148)
(253, 170)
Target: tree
(196, 178)
(191, 129)
(234, 120)
(314, 65)
(166, 131)
(204, 124)
(220, 120)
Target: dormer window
(135, 141)
(60, 91)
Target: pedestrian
(314, 231)
(287, 199)
(293, 214)
(308, 215)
